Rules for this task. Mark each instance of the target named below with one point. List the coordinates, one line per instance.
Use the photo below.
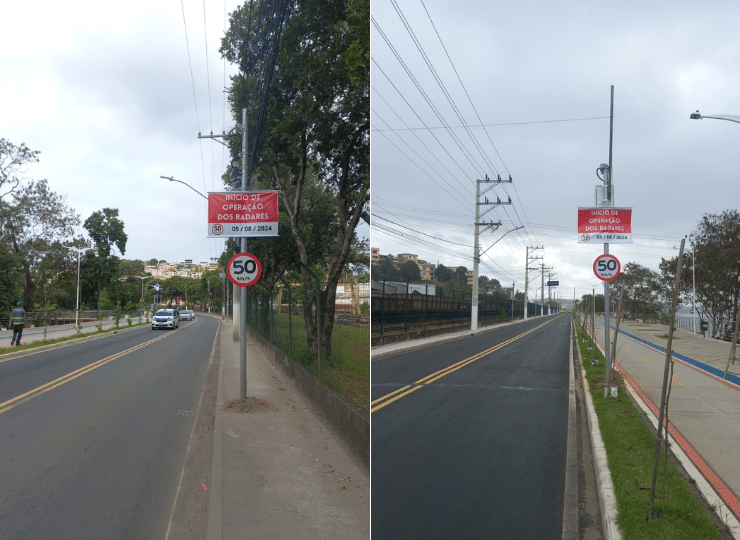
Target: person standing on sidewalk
(17, 319)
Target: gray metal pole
(243, 290)
(607, 330)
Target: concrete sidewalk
(277, 472)
(703, 408)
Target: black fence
(412, 309)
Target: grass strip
(348, 370)
(630, 449)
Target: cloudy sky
(532, 80)
(104, 91)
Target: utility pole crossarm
(476, 249)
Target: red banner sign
(605, 224)
(234, 214)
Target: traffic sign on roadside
(244, 269)
(606, 267)
(241, 214)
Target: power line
(442, 86)
(208, 81)
(481, 125)
(452, 194)
(419, 87)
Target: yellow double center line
(23, 398)
(409, 388)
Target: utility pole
(513, 285)
(526, 276)
(543, 286)
(476, 252)
(241, 314)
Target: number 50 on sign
(244, 269)
(606, 267)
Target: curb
(215, 513)
(570, 498)
(604, 484)
(708, 491)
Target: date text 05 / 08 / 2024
(250, 228)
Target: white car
(166, 318)
(187, 314)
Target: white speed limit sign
(244, 269)
(606, 267)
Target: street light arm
(729, 117)
(497, 241)
(183, 183)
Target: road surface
(95, 433)
(469, 437)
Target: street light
(77, 308)
(183, 183)
(729, 117)
(142, 278)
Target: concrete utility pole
(513, 289)
(543, 286)
(526, 276)
(240, 300)
(476, 249)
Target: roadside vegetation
(347, 371)
(630, 449)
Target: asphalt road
(95, 433)
(477, 450)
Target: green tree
(442, 273)
(14, 161)
(317, 122)
(410, 271)
(10, 278)
(460, 277)
(358, 262)
(210, 289)
(716, 242)
(641, 284)
(37, 219)
(387, 270)
(101, 266)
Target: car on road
(187, 314)
(166, 318)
